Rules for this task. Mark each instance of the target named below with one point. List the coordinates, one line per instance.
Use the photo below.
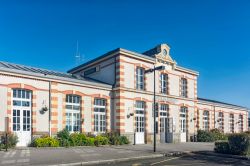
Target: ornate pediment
(163, 55)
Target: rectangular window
(184, 88)
(220, 121)
(164, 83)
(73, 109)
(140, 74)
(21, 111)
(231, 123)
(139, 117)
(183, 119)
(16, 120)
(206, 120)
(164, 108)
(240, 123)
(99, 115)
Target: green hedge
(46, 142)
(65, 139)
(239, 144)
(222, 147)
(210, 136)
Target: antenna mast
(77, 55)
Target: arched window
(73, 109)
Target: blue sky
(212, 37)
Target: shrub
(78, 139)
(101, 140)
(113, 138)
(204, 136)
(116, 139)
(222, 147)
(11, 141)
(218, 135)
(90, 141)
(124, 140)
(46, 142)
(239, 144)
(210, 136)
(247, 132)
(64, 138)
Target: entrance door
(183, 124)
(140, 123)
(21, 116)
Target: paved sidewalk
(55, 156)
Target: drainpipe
(50, 108)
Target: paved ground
(187, 160)
(50, 156)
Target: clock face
(165, 52)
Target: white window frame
(140, 78)
(184, 87)
(164, 109)
(231, 123)
(21, 111)
(73, 113)
(206, 120)
(140, 116)
(99, 115)
(164, 83)
(240, 123)
(183, 119)
(220, 121)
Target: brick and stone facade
(112, 77)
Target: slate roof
(6, 66)
(221, 103)
(152, 51)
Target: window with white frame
(164, 108)
(240, 123)
(164, 83)
(73, 109)
(140, 116)
(21, 113)
(183, 119)
(140, 74)
(99, 115)
(184, 88)
(220, 121)
(231, 123)
(206, 120)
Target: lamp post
(150, 71)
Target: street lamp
(150, 71)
